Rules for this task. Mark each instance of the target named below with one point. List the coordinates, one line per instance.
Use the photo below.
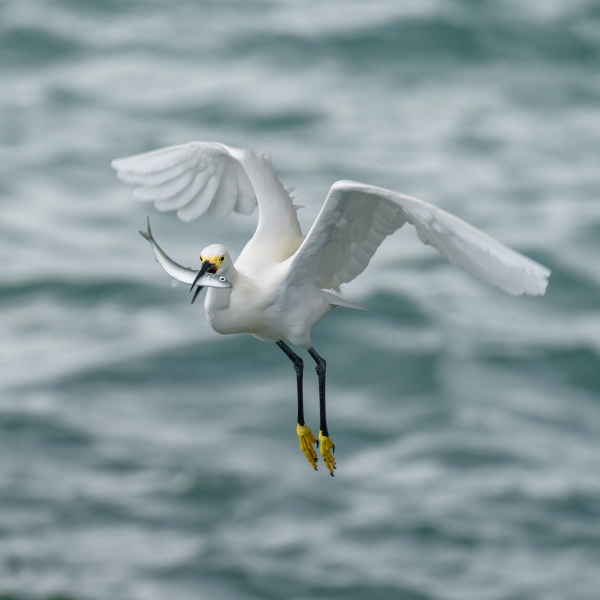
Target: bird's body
(255, 305)
(284, 283)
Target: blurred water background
(144, 457)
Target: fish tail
(148, 235)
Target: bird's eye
(222, 258)
(221, 278)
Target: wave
(36, 47)
(83, 292)
(437, 38)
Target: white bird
(284, 283)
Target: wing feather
(160, 177)
(245, 193)
(183, 198)
(155, 161)
(200, 203)
(356, 218)
(166, 190)
(200, 177)
(226, 196)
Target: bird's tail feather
(336, 300)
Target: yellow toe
(327, 447)
(307, 440)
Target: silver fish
(180, 273)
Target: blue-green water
(144, 457)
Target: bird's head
(216, 259)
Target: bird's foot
(307, 439)
(327, 447)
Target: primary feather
(356, 218)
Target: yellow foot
(326, 449)
(307, 439)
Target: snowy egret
(284, 283)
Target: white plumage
(284, 283)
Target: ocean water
(143, 456)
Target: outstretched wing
(200, 177)
(356, 218)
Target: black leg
(327, 446)
(320, 369)
(305, 435)
(299, 368)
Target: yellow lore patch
(215, 261)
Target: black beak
(198, 290)
(205, 265)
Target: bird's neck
(219, 298)
(232, 275)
